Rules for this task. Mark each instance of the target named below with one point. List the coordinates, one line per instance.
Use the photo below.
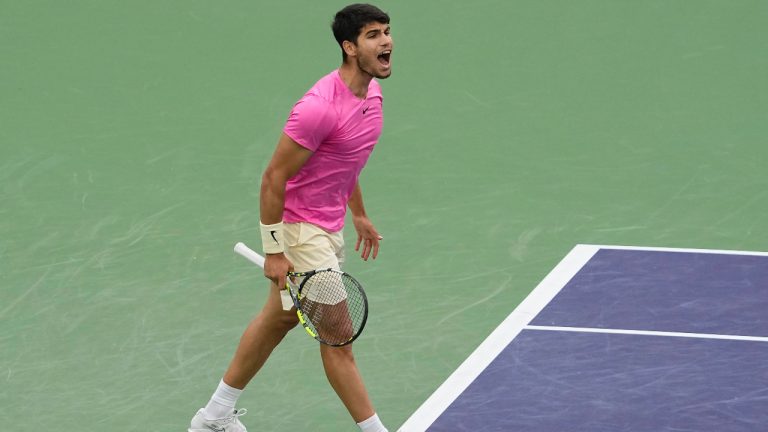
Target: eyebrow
(374, 31)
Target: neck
(355, 79)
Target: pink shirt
(341, 131)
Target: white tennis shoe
(227, 424)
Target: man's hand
(276, 268)
(367, 236)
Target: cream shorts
(310, 247)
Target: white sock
(222, 403)
(373, 424)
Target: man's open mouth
(384, 57)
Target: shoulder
(311, 115)
(318, 100)
(325, 88)
(312, 118)
(312, 103)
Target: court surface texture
(133, 138)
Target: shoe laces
(231, 419)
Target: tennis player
(305, 191)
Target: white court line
(518, 320)
(492, 346)
(685, 250)
(648, 333)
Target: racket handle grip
(285, 299)
(249, 254)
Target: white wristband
(272, 238)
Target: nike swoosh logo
(216, 428)
(366, 109)
(272, 233)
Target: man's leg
(261, 336)
(342, 373)
(313, 248)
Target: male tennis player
(305, 190)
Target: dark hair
(349, 21)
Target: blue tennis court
(621, 339)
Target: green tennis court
(133, 136)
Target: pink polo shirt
(341, 131)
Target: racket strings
(334, 306)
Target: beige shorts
(310, 247)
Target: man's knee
(285, 321)
(342, 352)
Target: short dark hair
(349, 21)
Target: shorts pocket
(292, 234)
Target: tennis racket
(331, 304)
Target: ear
(350, 48)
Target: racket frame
(296, 295)
(294, 292)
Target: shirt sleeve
(311, 121)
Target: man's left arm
(367, 236)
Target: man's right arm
(287, 160)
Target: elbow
(272, 179)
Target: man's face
(374, 48)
